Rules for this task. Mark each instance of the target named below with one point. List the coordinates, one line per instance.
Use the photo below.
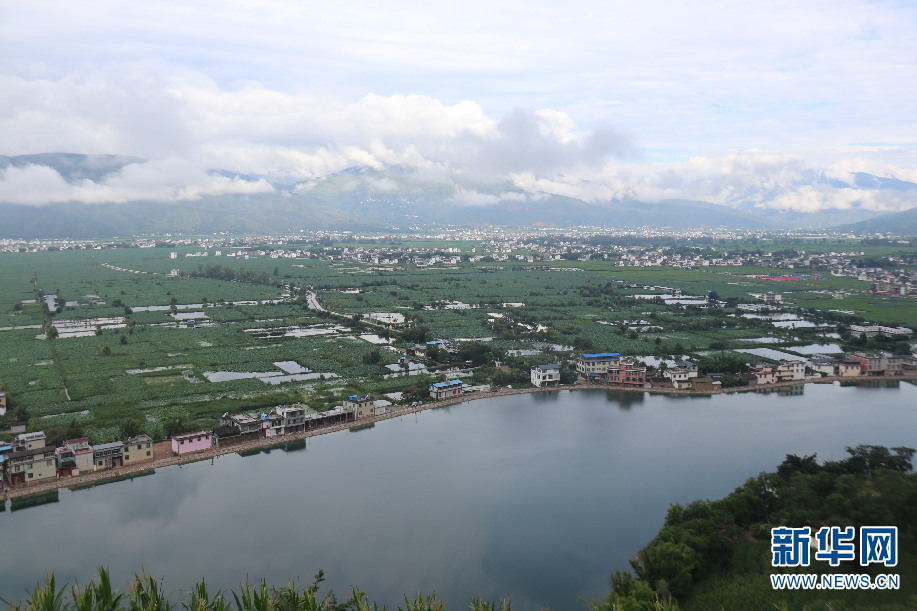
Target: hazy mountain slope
(267, 213)
(898, 222)
(363, 198)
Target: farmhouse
(610, 368)
(590, 365)
(443, 390)
(192, 442)
(790, 370)
(878, 363)
(293, 418)
(546, 375)
(849, 369)
(682, 374)
(24, 467)
(138, 449)
(29, 441)
(108, 455)
(626, 372)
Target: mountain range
(392, 198)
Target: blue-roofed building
(443, 390)
(590, 365)
(610, 368)
(361, 406)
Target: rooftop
(446, 384)
(108, 446)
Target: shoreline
(265, 442)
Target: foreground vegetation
(708, 554)
(716, 554)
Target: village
(26, 460)
(702, 249)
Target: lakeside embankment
(165, 461)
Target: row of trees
(219, 272)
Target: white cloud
(170, 180)
(752, 179)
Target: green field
(154, 364)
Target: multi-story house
(879, 363)
(335, 415)
(66, 462)
(626, 372)
(764, 375)
(82, 455)
(293, 417)
(362, 406)
(823, 364)
(443, 390)
(29, 441)
(30, 461)
(596, 365)
(248, 426)
(849, 369)
(138, 449)
(682, 374)
(271, 424)
(108, 455)
(790, 370)
(546, 375)
(873, 330)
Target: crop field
(133, 341)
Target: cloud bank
(187, 124)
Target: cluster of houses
(615, 369)
(287, 419)
(27, 459)
(599, 368)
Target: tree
(174, 426)
(417, 334)
(718, 345)
(130, 428)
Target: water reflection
(625, 399)
(34, 500)
(535, 496)
(120, 478)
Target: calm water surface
(535, 496)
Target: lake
(535, 496)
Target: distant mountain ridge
(902, 223)
(367, 199)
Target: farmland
(125, 337)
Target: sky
(774, 103)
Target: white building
(546, 375)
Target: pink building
(191, 442)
